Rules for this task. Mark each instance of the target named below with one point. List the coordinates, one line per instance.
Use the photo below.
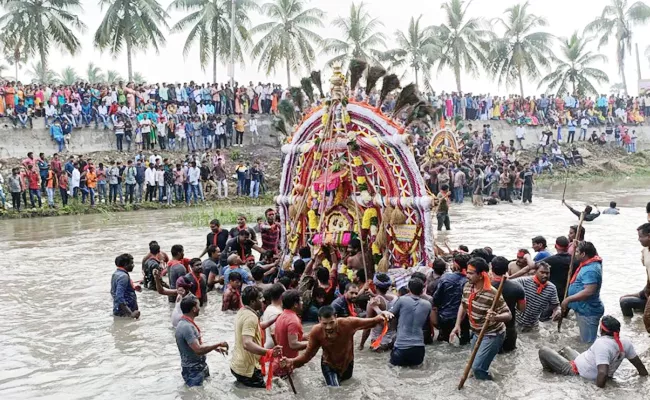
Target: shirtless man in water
(336, 337)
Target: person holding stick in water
(589, 216)
(486, 312)
(584, 291)
(600, 362)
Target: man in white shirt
(74, 181)
(193, 176)
(584, 125)
(520, 134)
(150, 182)
(253, 127)
(76, 113)
(160, 182)
(102, 112)
(600, 362)
(50, 113)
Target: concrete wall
(18, 142)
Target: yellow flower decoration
(315, 174)
(357, 161)
(346, 118)
(313, 219)
(368, 215)
(318, 155)
(327, 265)
(375, 249)
(361, 180)
(325, 118)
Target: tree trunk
(288, 74)
(16, 64)
(43, 65)
(417, 84)
(521, 83)
(214, 64)
(457, 74)
(621, 65)
(129, 60)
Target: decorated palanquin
(444, 146)
(349, 173)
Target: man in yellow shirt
(249, 340)
(240, 125)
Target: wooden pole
(468, 367)
(291, 383)
(568, 278)
(566, 180)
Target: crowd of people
(199, 176)
(553, 110)
(449, 299)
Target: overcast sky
(564, 17)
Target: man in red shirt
(288, 328)
(34, 185)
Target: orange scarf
(214, 238)
(487, 285)
(616, 335)
(267, 358)
(540, 285)
(351, 310)
(191, 321)
(582, 264)
(198, 284)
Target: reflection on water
(59, 340)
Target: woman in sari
(10, 95)
(237, 101)
(274, 103)
(449, 107)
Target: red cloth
(288, 323)
(33, 177)
(582, 264)
(540, 285)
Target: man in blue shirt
(447, 298)
(86, 112)
(234, 265)
(539, 245)
(584, 292)
(21, 114)
(125, 302)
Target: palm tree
(361, 38)
(68, 76)
(210, 26)
(418, 48)
(462, 39)
(617, 21)
(42, 75)
(113, 77)
(647, 53)
(14, 53)
(133, 23)
(287, 37)
(574, 68)
(94, 74)
(41, 25)
(523, 49)
(139, 78)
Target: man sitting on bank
(600, 362)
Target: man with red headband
(600, 362)
(478, 297)
(584, 291)
(639, 301)
(447, 299)
(521, 265)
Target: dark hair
(343, 282)
(419, 275)
(402, 291)
(290, 298)
(244, 232)
(542, 264)
(188, 303)
(611, 324)
(444, 187)
(588, 210)
(612, 204)
(214, 221)
(123, 260)
(480, 253)
(361, 275)
(195, 260)
(647, 208)
(562, 242)
(249, 294)
(154, 248)
(463, 248)
(304, 252)
(480, 264)
(462, 259)
(416, 285)
(326, 312)
(579, 235)
(318, 292)
(299, 266)
(439, 266)
(322, 274)
(350, 286)
(540, 240)
(355, 243)
(258, 273)
(645, 228)
(235, 276)
(275, 291)
(588, 248)
(211, 250)
(499, 265)
(285, 281)
(177, 249)
(269, 210)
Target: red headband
(520, 254)
(616, 335)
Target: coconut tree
(463, 41)
(617, 21)
(113, 77)
(14, 52)
(68, 76)
(41, 75)
(647, 53)
(573, 68)
(133, 24)
(287, 39)
(41, 25)
(139, 78)
(523, 49)
(417, 48)
(362, 37)
(94, 74)
(209, 25)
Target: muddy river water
(58, 339)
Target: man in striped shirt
(540, 296)
(478, 297)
